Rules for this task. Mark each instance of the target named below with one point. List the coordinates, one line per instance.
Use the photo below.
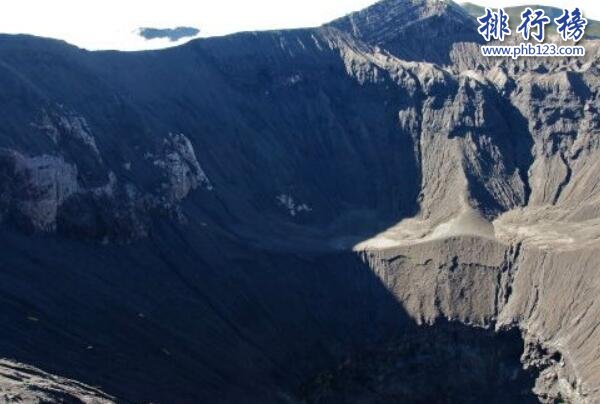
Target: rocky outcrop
(47, 194)
(35, 188)
(21, 383)
(180, 168)
(63, 129)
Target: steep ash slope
(403, 27)
(254, 215)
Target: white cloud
(111, 24)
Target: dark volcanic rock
(227, 220)
(448, 363)
(420, 30)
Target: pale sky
(111, 24)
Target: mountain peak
(403, 27)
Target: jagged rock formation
(34, 188)
(247, 215)
(25, 384)
(402, 28)
(46, 194)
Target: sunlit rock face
(419, 30)
(26, 384)
(293, 216)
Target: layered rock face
(318, 215)
(25, 384)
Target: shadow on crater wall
(444, 363)
(161, 321)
